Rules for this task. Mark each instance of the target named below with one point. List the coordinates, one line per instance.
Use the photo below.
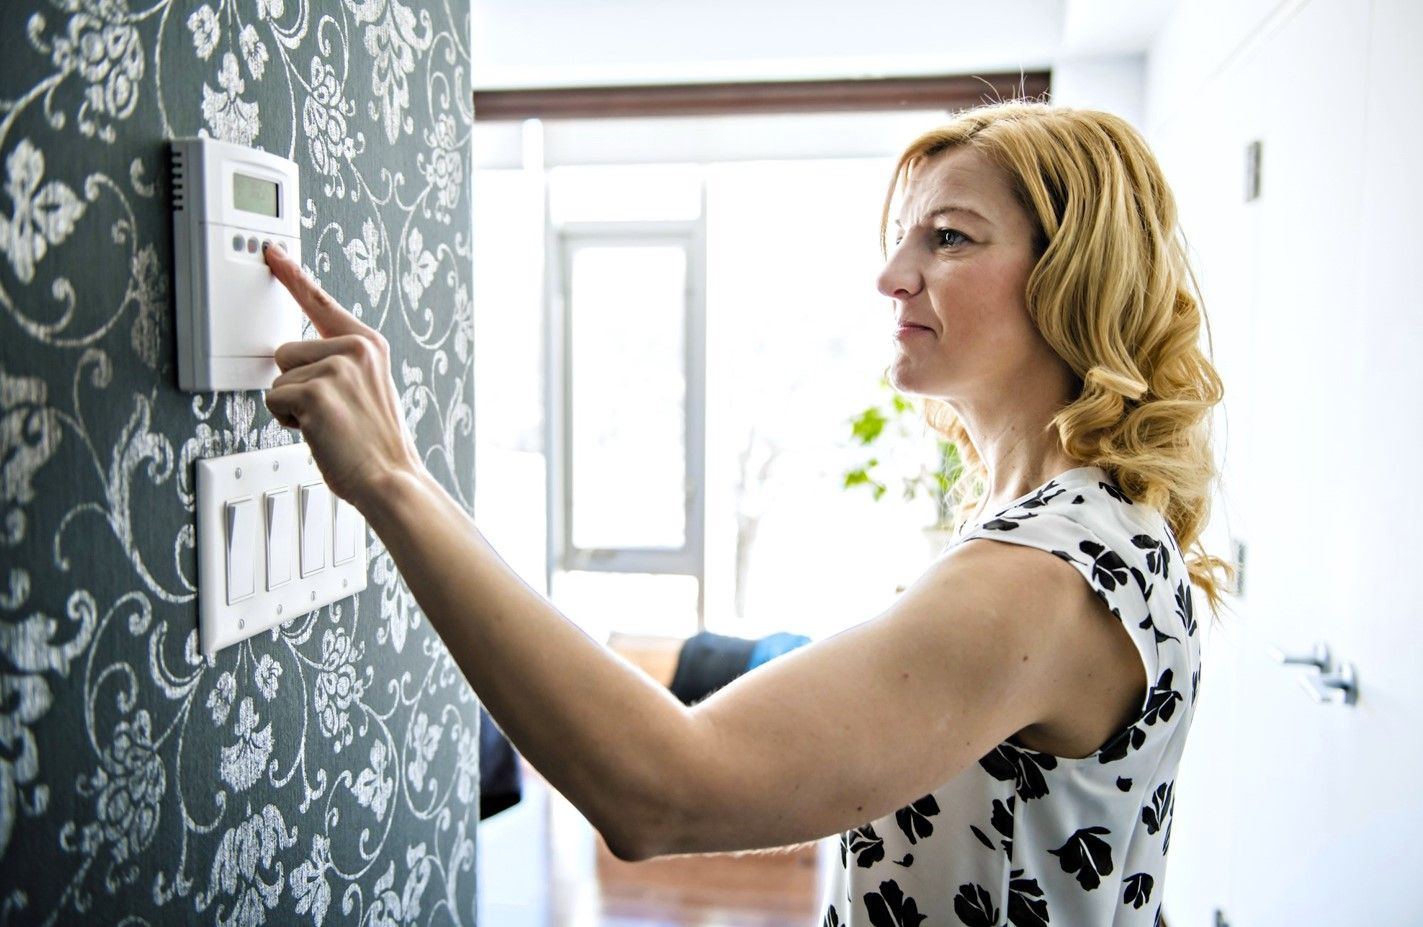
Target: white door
(1292, 812)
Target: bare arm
(823, 739)
(604, 734)
(820, 740)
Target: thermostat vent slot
(178, 165)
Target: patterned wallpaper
(325, 772)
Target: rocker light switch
(264, 543)
(345, 523)
(315, 506)
(281, 529)
(241, 523)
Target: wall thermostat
(232, 313)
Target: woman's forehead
(960, 179)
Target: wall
(325, 772)
(1109, 83)
(1287, 810)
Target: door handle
(1340, 687)
(1319, 657)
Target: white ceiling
(550, 43)
(1112, 27)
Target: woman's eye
(949, 238)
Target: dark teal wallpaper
(325, 772)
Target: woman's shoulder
(1127, 555)
(1124, 549)
(1085, 497)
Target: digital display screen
(254, 194)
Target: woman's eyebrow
(956, 207)
(944, 208)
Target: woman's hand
(339, 391)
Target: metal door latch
(1328, 683)
(1341, 686)
(1318, 658)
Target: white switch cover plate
(283, 475)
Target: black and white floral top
(1025, 838)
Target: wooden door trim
(950, 93)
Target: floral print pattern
(325, 772)
(230, 117)
(43, 212)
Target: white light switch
(345, 523)
(241, 533)
(281, 530)
(315, 506)
(265, 543)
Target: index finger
(329, 316)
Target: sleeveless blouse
(1025, 838)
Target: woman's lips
(905, 331)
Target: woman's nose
(899, 279)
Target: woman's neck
(1019, 457)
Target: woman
(1011, 726)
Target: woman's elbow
(626, 848)
(661, 809)
(632, 842)
(635, 835)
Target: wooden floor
(542, 865)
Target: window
(628, 455)
(627, 412)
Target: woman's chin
(905, 379)
(906, 382)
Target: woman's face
(958, 274)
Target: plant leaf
(869, 424)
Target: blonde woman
(998, 746)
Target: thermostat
(228, 200)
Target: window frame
(563, 240)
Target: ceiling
(569, 43)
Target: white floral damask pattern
(325, 772)
(109, 57)
(230, 117)
(41, 215)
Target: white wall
(1201, 39)
(1113, 83)
(1289, 812)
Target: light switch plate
(253, 475)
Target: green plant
(887, 426)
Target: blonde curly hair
(1113, 294)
